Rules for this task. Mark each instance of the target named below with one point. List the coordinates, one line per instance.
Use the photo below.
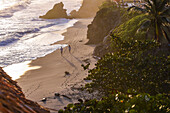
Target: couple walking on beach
(69, 48)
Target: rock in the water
(57, 12)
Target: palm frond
(148, 9)
(166, 11)
(144, 25)
(162, 6)
(155, 3)
(165, 20)
(149, 3)
(136, 8)
(166, 33)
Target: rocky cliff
(12, 99)
(57, 12)
(88, 9)
(105, 20)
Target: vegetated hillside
(107, 18)
(12, 99)
(133, 79)
(125, 31)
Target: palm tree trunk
(157, 32)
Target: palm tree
(159, 15)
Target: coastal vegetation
(158, 18)
(122, 103)
(134, 65)
(108, 18)
(133, 77)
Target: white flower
(147, 98)
(133, 106)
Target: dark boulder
(104, 47)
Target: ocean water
(24, 36)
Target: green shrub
(108, 4)
(135, 65)
(129, 28)
(121, 103)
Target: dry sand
(50, 78)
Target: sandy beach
(51, 78)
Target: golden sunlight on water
(7, 3)
(17, 70)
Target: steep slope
(105, 20)
(12, 99)
(88, 9)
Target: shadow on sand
(76, 58)
(69, 62)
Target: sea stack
(57, 12)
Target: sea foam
(25, 37)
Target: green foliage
(108, 4)
(135, 65)
(159, 15)
(121, 103)
(126, 16)
(129, 28)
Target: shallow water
(23, 35)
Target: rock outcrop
(57, 12)
(105, 20)
(12, 99)
(102, 48)
(88, 9)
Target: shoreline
(23, 67)
(50, 78)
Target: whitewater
(24, 36)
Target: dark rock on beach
(57, 12)
(57, 94)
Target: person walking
(61, 49)
(69, 48)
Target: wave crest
(8, 12)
